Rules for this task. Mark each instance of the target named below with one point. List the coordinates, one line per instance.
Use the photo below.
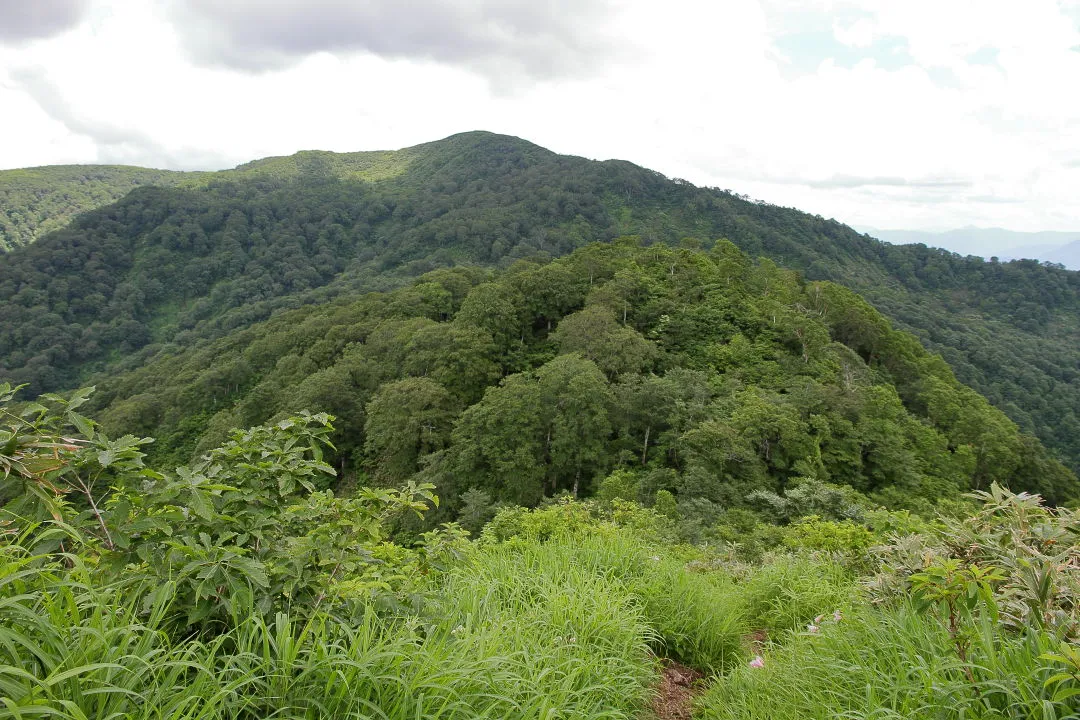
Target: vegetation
(982, 625)
(37, 201)
(178, 265)
(238, 589)
(699, 374)
(655, 461)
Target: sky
(917, 114)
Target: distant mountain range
(1056, 247)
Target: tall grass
(568, 626)
(522, 630)
(80, 653)
(785, 594)
(692, 618)
(893, 663)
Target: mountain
(1067, 255)
(36, 201)
(166, 270)
(1055, 247)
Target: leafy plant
(1014, 551)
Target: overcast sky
(923, 114)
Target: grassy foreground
(237, 588)
(530, 628)
(565, 616)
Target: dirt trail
(675, 694)
(680, 684)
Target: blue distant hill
(1050, 246)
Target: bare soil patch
(675, 694)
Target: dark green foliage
(36, 201)
(597, 335)
(178, 265)
(407, 420)
(762, 391)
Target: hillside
(168, 267)
(365, 448)
(694, 373)
(36, 201)
(775, 529)
(1048, 246)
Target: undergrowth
(240, 588)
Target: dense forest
(698, 374)
(36, 201)
(172, 266)
(475, 430)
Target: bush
(813, 533)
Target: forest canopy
(169, 267)
(700, 374)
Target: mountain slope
(36, 201)
(1067, 255)
(169, 267)
(701, 374)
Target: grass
(567, 625)
(786, 594)
(523, 630)
(78, 653)
(892, 663)
(696, 619)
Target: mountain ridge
(174, 265)
(1052, 246)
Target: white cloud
(859, 34)
(695, 90)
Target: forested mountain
(476, 430)
(36, 201)
(700, 374)
(1060, 248)
(166, 267)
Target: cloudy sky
(924, 114)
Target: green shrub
(619, 485)
(845, 537)
(1032, 548)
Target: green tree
(538, 432)
(406, 420)
(596, 334)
